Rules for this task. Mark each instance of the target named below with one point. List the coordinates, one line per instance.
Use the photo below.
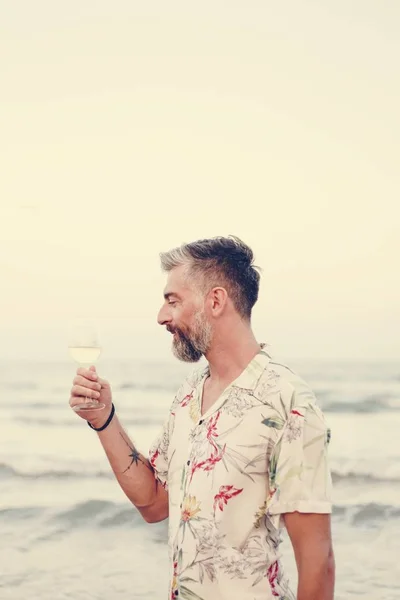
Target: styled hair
(219, 261)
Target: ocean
(68, 531)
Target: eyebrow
(168, 295)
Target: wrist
(101, 426)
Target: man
(243, 451)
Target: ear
(217, 298)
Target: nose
(164, 316)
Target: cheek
(176, 315)
(183, 317)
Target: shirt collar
(250, 377)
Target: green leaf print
(183, 479)
(254, 461)
(237, 466)
(273, 465)
(260, 445)
(314, 440)
(225, 465)
(272, 468)
(321, 456)
(187, 594)
(292, 399)
(259, 578)
(292, 473)
(228, 431)
(275, 422)
(283, 406)
(236, 455)
(201, 572)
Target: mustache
(179, 332)
(175, 330)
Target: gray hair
(219, 261)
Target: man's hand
(310, 535)
(87, 384)
(132, 470)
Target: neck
(232, 349)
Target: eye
(172, 302)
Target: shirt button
(201, 421)
(188, 463)
(176, 593)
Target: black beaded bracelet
(106, 424)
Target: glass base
(89, 405)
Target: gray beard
(186, 349)
(191, 347)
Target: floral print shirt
(258, 452)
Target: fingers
(93, 385)
(88, 386)
(91, 375)
(88, 373)
(82, 391)
(76, 401)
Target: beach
(69, 532)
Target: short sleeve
(299, 474)
(158, 454)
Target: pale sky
(130, 127)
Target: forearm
(134, 473)
(317, 579)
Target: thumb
(92, 368)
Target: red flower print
(174, 583)
(153, 458)
(187, 399)
(272, 575)
(216, 451)
(226, 492)
(209, 463)
(212, 430)
(295, 412)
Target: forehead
(178, 282)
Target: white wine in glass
(85, 349)
(85, 355)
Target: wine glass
(85, 349)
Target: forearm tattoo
(135, 456)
